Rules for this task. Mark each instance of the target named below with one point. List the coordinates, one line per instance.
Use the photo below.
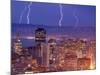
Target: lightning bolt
(61, 15)
(28, 14)
(76, 18)
(22, 13)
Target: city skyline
(52, 55)
(78, 20)
(52, 37)
(27, 32)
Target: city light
(59, 43)
(92, 66)
(52, 55)
(29, 37)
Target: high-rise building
(40, 35)
(40, 40)
(52, 48)
(45, 55)
(18, 45)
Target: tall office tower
(40, 40)
(52, 52)
(45, 56)
(18, 45)
(40, 35)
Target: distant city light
(51, 54)
(29, 72)
(92, 66)
(18, 40)
(29, 37)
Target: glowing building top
(40, 35)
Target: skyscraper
(40, 35)
(52, 52)
(40, 39)
(18, 45)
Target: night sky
(48, 14)
(78, 20)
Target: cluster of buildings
(53, 55)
